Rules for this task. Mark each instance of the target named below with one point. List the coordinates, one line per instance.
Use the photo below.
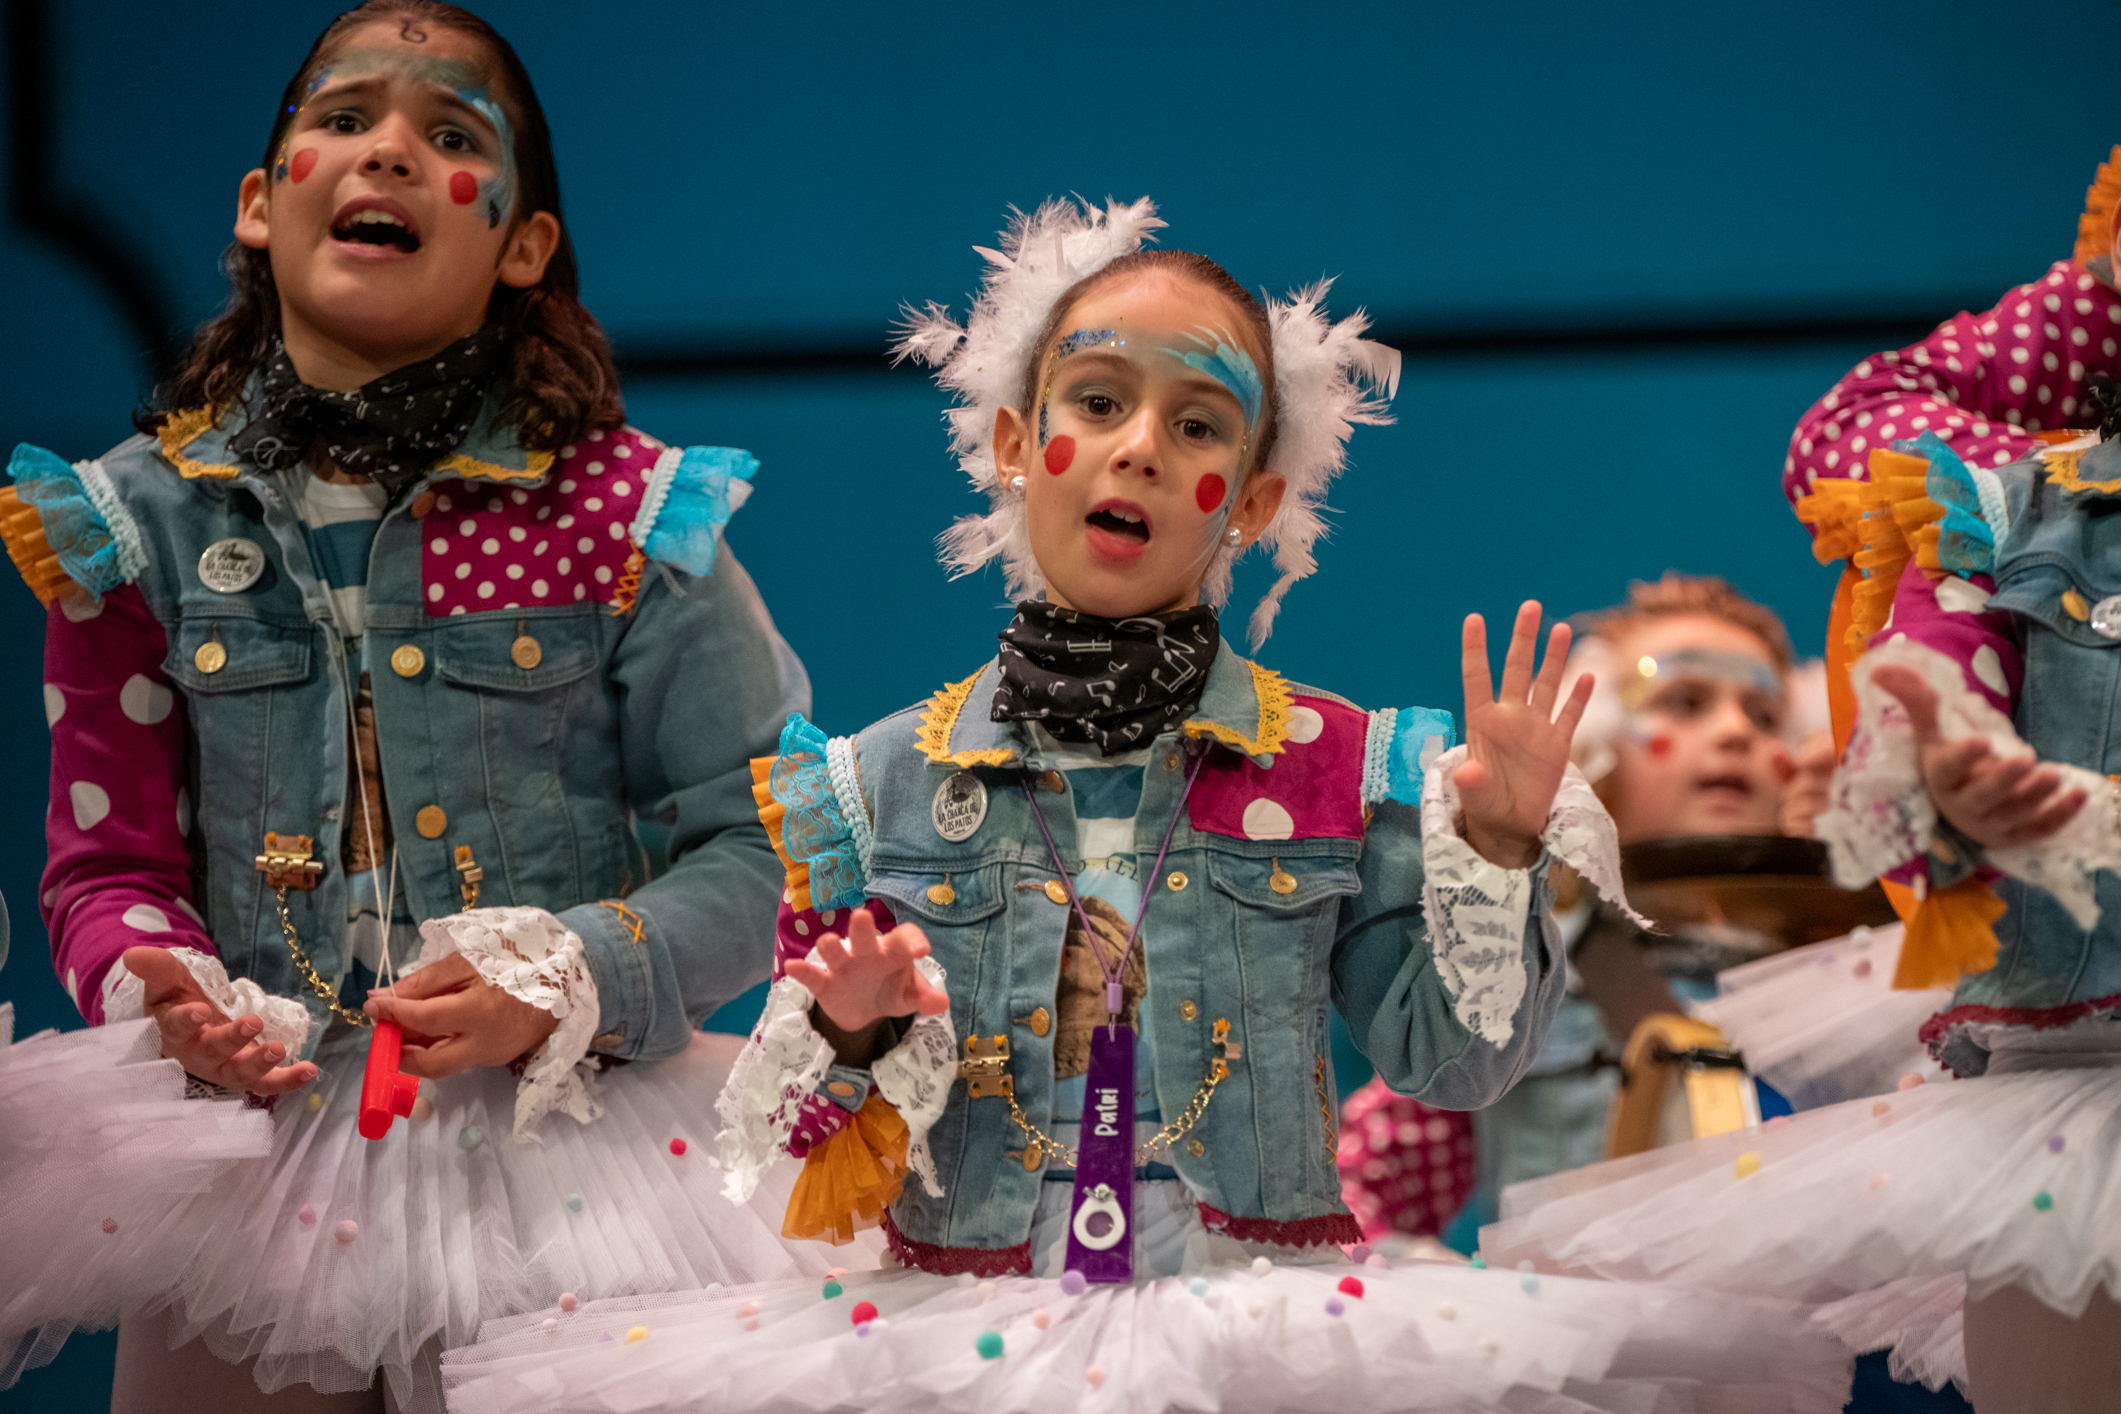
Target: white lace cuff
(286, 1020)
(780, 1068)
(1477, 910)
(535, 958)
(1881, 815)
(916, 1076)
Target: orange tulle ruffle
(1951, 935)
(849, 1180)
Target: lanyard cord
(1114, 997)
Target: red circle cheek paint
(1209, 494)
(1660, 746)
(1060, 454)
(302, 163)
(463, 188)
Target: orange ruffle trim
(1879, 525)
(2095, 228)
(773, 815)
(1950, 935)
(23, 530)
(849, 1180)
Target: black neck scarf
(392, 429)
(1114, 683)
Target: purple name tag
(1101, 1210)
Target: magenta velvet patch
(1313, 790)
(488, 545)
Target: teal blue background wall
(1631, 243)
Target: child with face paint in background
(1971, 1228)
(1694, 729)
(361, 664)
(1058, 944)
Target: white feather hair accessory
(1327, 378)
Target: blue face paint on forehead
(1231, 367)
(1700, 664)
(460, 78)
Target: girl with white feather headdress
(1057, 945)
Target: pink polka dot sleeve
(1404, 1166)
(119, 866)
(1983, 382)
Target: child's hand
(207, 1044)
(867, 978)
(1994, 801)
(1811, 776)
(455, 1019)
(1516, 747)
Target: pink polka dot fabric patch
(1313, 790)
(492, 546)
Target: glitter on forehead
(1070, 343)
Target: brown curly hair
(1678, 593)
(563, 381)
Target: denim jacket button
(1187, 1010)
(526, 652)
(1170, 761)
(431, 821)
(407, 660)
(1054, 781)
(1176, 880)
(1056, 890)
(2106, 617)
(1196, 1148)
(1041, 1021)
(2073, 604)
(422, 504)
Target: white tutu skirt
(335, 1256)
(98, 1147)
(1428, 1336)
(1893, 1208)
(1822, 1023)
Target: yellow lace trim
(940, 720)
(179, 431)
(2095, 227)
(1272, 691)
(457, 464)
(2062, 470)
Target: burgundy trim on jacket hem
(2040, 1018)
(1336, 1229)
(2047, 1018)
(951, 1261)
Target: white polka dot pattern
(500, 554)
(144, 701)
(146, 918)
(1984, 383)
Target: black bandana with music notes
(1112, 683)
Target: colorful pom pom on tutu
(863, 1313)
(1351, 1286)
(989, 1345)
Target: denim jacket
(1261, 919)
(520, 734)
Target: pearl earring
(1234, 536)
(1016, 484)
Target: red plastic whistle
(384, 1091)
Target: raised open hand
(220, 1049)
(1517, 746)
(864, 978)
(1996, 801)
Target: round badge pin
(231, 566)
(960, 807)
